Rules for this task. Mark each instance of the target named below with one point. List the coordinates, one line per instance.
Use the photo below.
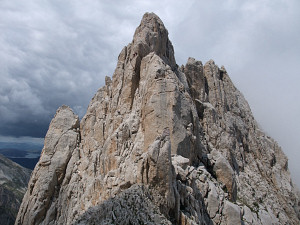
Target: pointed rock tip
(211, 62)
(223, 69)
(151, 19)
(107, 80)
(193, 61)
(152, 36)
(64, 108)
(66, 118)
(150, 23)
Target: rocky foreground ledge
(160, 144)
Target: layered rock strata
(160, 144)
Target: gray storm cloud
(58, 52)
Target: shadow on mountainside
(133, 206)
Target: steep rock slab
(255, 158)
(45, 182)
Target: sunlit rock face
(160, 144)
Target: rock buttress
(40, 201)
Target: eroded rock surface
(160, 144)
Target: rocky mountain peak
(152, 36)
(160, 145)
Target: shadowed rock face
(13, 182)
(160, 144)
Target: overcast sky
(58, 52)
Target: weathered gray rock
(13, 182)
(231, 213)
(213, 201)
(182, 142)
(157, 171)
(225, 175)
(249, 217)
(178, 160)
(133, 206)
(45, 182)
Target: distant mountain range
(17, 160)
(20, 145)
(13, 183)
(26, 158)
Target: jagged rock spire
(60, 142)
(152, 36)
(181, 142)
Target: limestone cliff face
(160, 144)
